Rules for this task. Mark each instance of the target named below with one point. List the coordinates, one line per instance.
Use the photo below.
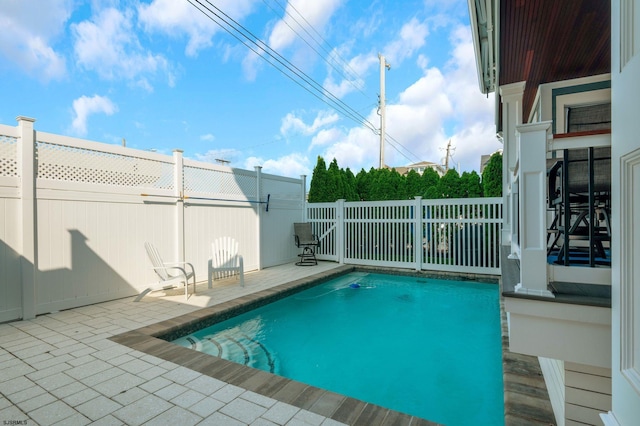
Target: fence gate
(324, 218)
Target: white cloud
(293, 124)
(208, 137)
(85, 106)
(108, 45)
(177, 18)
(359, 149)
(415, 121)
(326, 137)
(472, 142)
(443, 104)
(29, 28)
(251, 64)
(300, 19)
(300, 12)
(351, 72)
(371, 23)
(411, 37)
(292, 165)
(462, 85)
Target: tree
(318, 185)
(450, 185)
(350, 186)
(414, 184)
(492, 176)
(397, 186)
(335, 185)
(430, 180)
(380, 184)
(363, 184)
(471, 185)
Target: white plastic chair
(225, 260)
(170, 274)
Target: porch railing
(441, 235)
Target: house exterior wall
(625, 212)
(553, 374)
(552, 97)
(587, 393)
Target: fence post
(340, 243)
(417, 233)
(303, 178)
(28, 238)
(178, 188)
(259, 208)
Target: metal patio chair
(307, 240)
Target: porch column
(532, 206)
(511, 98)
(178, 190)
(28, 230)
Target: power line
(353, 75)
(243, 35)
(396, 145)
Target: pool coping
(151, 340)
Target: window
(588, 117)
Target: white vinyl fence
(456, 235)
(75, 214)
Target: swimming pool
(427, 347)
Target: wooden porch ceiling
(542, 41)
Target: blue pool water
(426, 347)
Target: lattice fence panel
(200, 180)
(66, 163)
(8, 156)
(284, 190)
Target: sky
(297, 79)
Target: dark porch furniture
(307, 240)
(579, 192)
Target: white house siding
(587, 393)
(625, 212)
(553, 373)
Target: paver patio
(62, 368)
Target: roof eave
(483, 35)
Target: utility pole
(448, 155)
(381, 108)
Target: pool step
(237, 347)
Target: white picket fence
(456, 235)
(75, 214)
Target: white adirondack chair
(225, 260)
(170, 274)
